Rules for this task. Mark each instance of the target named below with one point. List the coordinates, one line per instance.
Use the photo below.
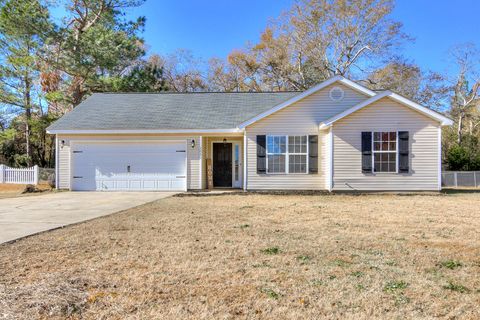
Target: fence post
(475, 178)
(455, 176)
(35, 175)
(2, 175)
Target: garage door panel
(119, 163)
(129, 166)
(140, 148)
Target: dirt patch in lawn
(8, 190)
(255, 257)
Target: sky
(212, 28)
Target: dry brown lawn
(255, 257)
(8, 190)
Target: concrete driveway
(23, 216)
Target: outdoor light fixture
(224, 141)
(192, 143)
(62, 143)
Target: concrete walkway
(23, 216)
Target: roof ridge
(200, 92)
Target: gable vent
(336, 94)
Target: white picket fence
(19, 175)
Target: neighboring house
(336, 136)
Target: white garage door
(129, 166)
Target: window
(297, 154)
(283, 157)
(385, 151)
(237, 162)
(276, 154)
(336, 94)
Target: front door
(222, 164)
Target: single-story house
(338, 135)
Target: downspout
(330, 173)
(439, 158)
(245, 160)
(56, 162)
(200, 150)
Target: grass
(456, 287)
(303, 259)
(271, 250)
(395, 285)
(270, 293)
(450, 264)
(357, 274)
(359, 257)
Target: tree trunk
(28, 117)
(53, 147)
(459, 129)
(77, 91)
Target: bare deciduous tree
(317, 39)
(182, 72)
(466, 88)
(409, 80)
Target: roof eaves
(142, 131)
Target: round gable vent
(336, 94)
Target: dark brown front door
(222, 164)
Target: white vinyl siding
(193, 155)
(204, 163)
(63, 164)
(386, 115)
(301, 118)
(323, 157)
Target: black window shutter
(366, 152)
(403, 151)
(261, 155)
(313, 154)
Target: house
(337, 135)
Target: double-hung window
(287, 154)
(276, 154)
(385, 151)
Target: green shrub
(464, 157)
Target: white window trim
(287, 154)
(373, 153)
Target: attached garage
(129, 166)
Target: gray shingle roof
(168, 111)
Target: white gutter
(144, 131)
